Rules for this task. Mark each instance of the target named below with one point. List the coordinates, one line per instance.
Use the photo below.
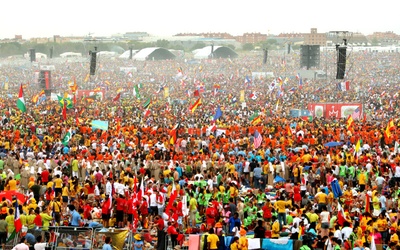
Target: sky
(45, 18)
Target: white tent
(126, 54)
(154, 53)
(218, 52)
(70, 54)
(106, 54)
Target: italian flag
(21, 101)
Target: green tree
(162, 43)
(198, 45)
(248, 46)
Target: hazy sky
(45, 18)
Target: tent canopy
(219, 52)
(153, 53)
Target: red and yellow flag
(195, 105)
(349, 122)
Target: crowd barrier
(196, 242)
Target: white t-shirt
(324, 215)
(397, 173)
(153, 200)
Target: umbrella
(279, 179)
(332, 144)
(10, 194)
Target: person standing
(259, 230)
(3, 231)
(212, 240)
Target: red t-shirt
(144, 208)
(45, 176)
(38, 220)
(120, 204)
(106, 207)
(160, 224)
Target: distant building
(67, 39)
(315, 38)
(135, 36)
(252, 38)
(39, 40)
(388, 37)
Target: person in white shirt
(108, 187)
(39, 245)
(22, 245)
(346, 231)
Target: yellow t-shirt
(275, 230)
(58, 183)
(322, 198)
(65, 191)
(280, 205)
(243, 243)
(213, 240)
(12, 184)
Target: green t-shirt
(1, 164)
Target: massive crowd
(167, 166)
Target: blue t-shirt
(138, 245)
(107, 247)
(75, 219)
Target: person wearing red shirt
(173, 233)
(144, 211)
(87, 208)
(45, 176)
(211, 214)
(106, 211)
(121, 203)
(129, 208)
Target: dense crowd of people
(183, 155)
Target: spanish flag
(289, 131)
(389, 127)
(174, 134)
(256, 121)
(195, 105)
(349, 122)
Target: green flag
(21, 101)
(136, 91)
(253, 116)
(67, 138)
(12, 236)
(67, 100)
(147, 103)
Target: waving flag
(195, 105)
(247, 80)
(349, 122)
(257, 139)
(356, 114)
(21, 101)
(218, 114)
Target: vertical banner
(166, 92)
(242, 96)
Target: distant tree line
(19, 49)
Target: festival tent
(153, 53)
(219, 52)
(70, 54)
(126, 54)
(106, 54)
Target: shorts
(65, 199)
(130, 217)
(3, 237)
(105, 217)
(120, 215)
(325, 225)
(251, 174)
